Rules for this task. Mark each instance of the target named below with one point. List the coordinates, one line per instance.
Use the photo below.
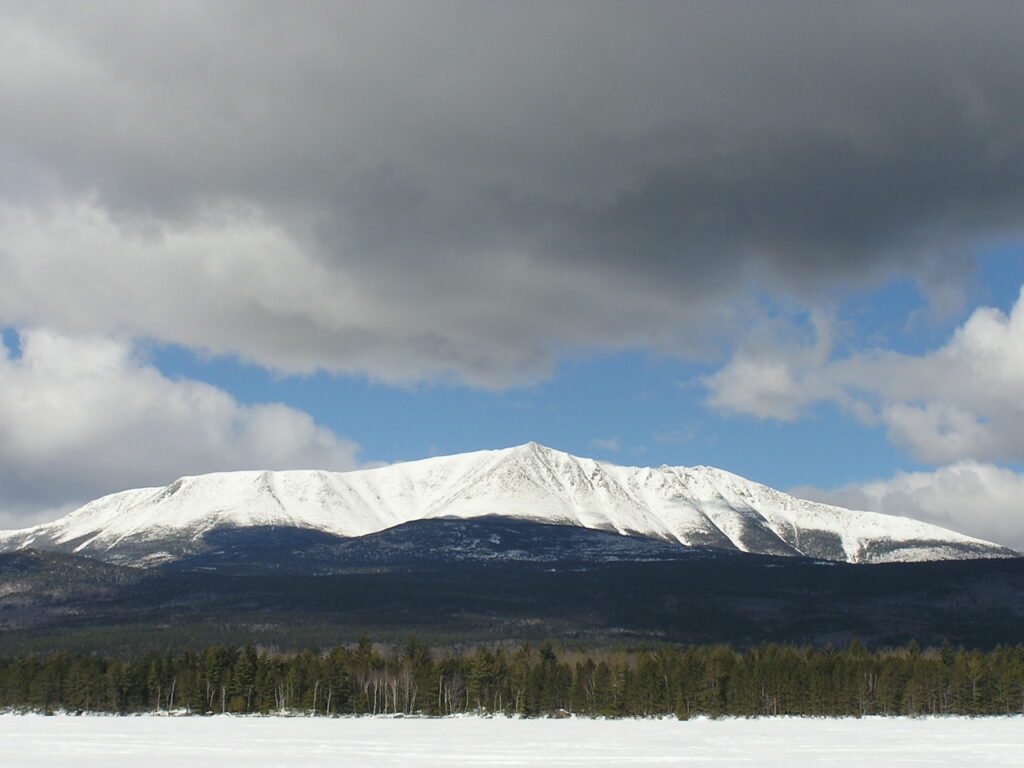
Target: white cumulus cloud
(962, 401)
(85, 416)
(978, 499)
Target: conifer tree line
(681, 680)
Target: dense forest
(681, 680)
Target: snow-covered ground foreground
(154, 742)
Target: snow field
(35, 741)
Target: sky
(783, 238)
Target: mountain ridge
(690, 506)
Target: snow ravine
(692, 506)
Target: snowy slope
(694, 506)
(454, 742)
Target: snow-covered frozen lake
(155, 742)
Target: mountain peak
(532, 448)
(689, 506)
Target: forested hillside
(51, 601)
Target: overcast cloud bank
(462, 191)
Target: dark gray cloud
(468, 189)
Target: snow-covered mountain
(691, 506)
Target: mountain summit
(688, 506)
